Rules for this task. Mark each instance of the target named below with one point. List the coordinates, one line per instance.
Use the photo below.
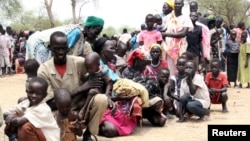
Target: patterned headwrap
(170, 3)
(137, 53)
(159, 46)
(94, 21)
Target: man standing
(5, 44)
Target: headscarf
(159, 46)
(93, 21)
(170, 3)
(137, 53)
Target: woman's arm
(180, 34)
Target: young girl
(150, 35)
(232, 58)
(67, 120)
(244, 63)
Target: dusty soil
(12, 87)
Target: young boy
(30, 68)
(217, 84)
(175, 86)
(67, 120)
(92, 65)
(33, 117)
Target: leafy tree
(10, 8)
(233, 11)
(109, 31)
(30, 20)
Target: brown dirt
(13, 87)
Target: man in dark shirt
(194, 39)
(193, 5)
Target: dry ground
(12, 87)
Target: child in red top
(217, 84)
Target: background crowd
(176, 65)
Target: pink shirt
(149, 37)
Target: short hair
(241, 24)
(40, 80)
(62, 93)
(189, 55)
(125, 30)
(164, 68)
(57, 34)
(217, 60)
(31, 66)
(98, 45)
(195, 66)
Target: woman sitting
(137, 71)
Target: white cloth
(201, 93)
(41, 117)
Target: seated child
(92, 65)
(33, 118)
(19, 63)
(67, 120)
(30, 67)
(217, 84)
(175, 84)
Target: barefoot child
(30, 67)
(67, 120)
(175, 85)
(217, 85)
(92, 65)
(33, 117)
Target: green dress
(244, 73)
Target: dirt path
(13, 87)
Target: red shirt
(61, 69)
(218, 82)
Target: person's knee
(26, 127)
(101, 100)
(224, 97)
(190, 106)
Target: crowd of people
(177, 65)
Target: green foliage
(129, 28)
(110, 31)
(10, 8)
(30, 21)
(232, 11)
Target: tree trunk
(48, 5)
(73, 3)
